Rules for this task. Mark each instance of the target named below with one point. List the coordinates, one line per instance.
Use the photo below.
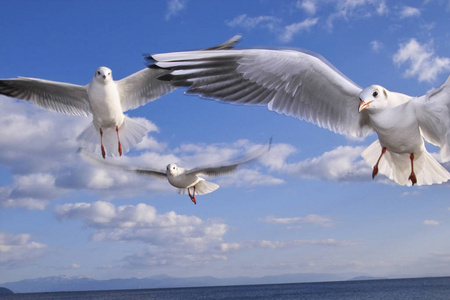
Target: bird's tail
(397, 166)
(131, 132)
(201, 188)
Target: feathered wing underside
(56, 96)
(291, 82)
(100, 161)
(131, 132)
(228, 167)
(397, 167)
(142, 87)
(433, 113)
(201, 188)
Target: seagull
(187, 181)
(305, 86)
(104, 98)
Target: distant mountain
(80, 283)
(367, 278)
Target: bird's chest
(183, 181)
(105, 104)
(397, 131)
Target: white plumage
(306, 86)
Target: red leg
(412, 176)
(120, 145)
(375, 168)
(101, 141)
(192, 196)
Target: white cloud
(351, 9)
(248, 178)
(253, 22)
(408, 12)
(18, 249)
(174, 7)
(293, 29)
(32, 191)
(431, 222)
(309, 219)
(266, 244)
(423, 63)
(341, 164)
(310, 6)
(376, 46)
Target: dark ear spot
(385, 93)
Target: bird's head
(373, 98)
(172, 169)
(103, 74)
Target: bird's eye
(98, 72)
(173, 168)
(375, 94)
(109, 73)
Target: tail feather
(397, 167)
(131, 133)
(201, 188)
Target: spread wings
(291, 82)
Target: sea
(418, 288)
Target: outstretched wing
(100, 161)
(228, 167)
(433, 113)
(143, 86)
(291, 82)
(56, 96)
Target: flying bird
(188, 181)
(304, 85)
(104, 98)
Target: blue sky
(310, 206)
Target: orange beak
(363, 105)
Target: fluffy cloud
(343, 164)
(423, 63)
(39, 150)
(253, 22)
(18, 248)
(431, 222)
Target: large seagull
(104, 98)
(306, 86)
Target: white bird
(188, 180)
(104, 98)
(306, 86)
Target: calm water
(422, 288)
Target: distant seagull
(188, 180)
(104, 98)
(305, 86)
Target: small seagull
(306, 86)
(188, 181)
(104, 98)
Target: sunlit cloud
(431, 222)
(18, 249)
(421, 59)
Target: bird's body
(306, 86)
